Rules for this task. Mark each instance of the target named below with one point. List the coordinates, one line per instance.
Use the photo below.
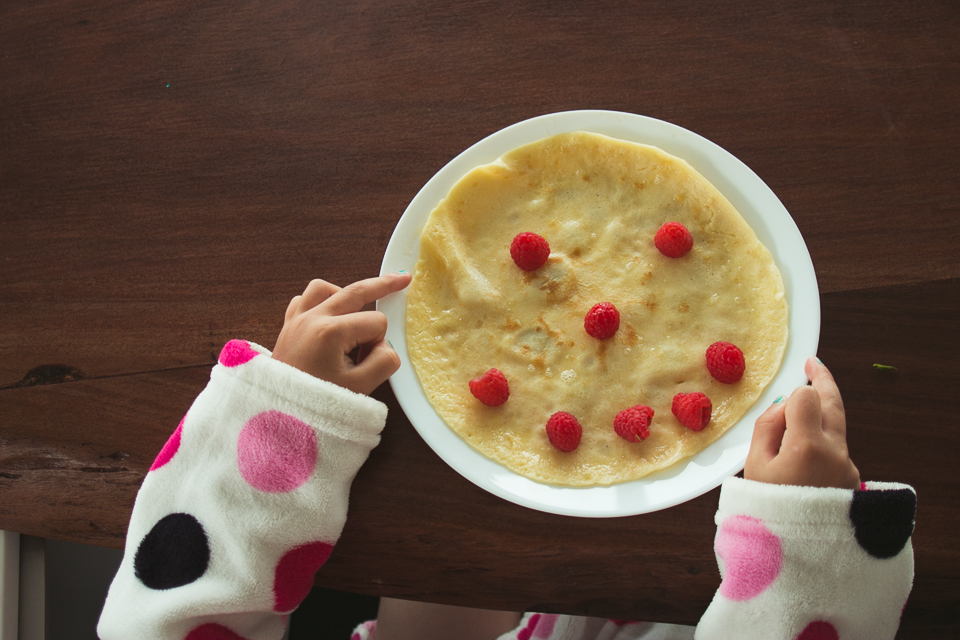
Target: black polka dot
(173, 554)
(883, 520)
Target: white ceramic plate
(688, 478)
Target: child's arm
(806, 551)
(248, 497)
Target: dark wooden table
(172, 172)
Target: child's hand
(803, 441)
(326, 323)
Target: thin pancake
(599, 202)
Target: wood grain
(145, 223)
(173, 172)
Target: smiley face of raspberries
(492, 388)
(724, 360)
(529, 251)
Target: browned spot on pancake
(576, 253)
(558, 290)
(510, 325)
(601, 351)
(640, 185)
(629, 335)
(542, 322)
(646, 276)
(683, 307)
(528, 276)
(525, 349)
(678, 198)
(650, 303)
(539, 363)
(586, 178)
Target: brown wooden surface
(172, 172)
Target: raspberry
(692, 410)
(725, 362)
(633, 424)
(491, 388)
(564, 431)
(602, 321)
(673, 240)
(529, 251)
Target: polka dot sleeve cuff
(805, 563)
(243, 504)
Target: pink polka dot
(751, 555)
(169, 449)
(236, 352)
(293, 576)
(276, 453)
(368, 627)
(545, 625)
(213, 631)
(819, 630)
(863, 486)
(526, 632)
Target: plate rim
(739, 184)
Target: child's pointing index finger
(832, 404)
(356, 296)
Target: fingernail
(401, 271)
(778, 400)
(819, 360)
(390, 343)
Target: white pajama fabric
(248, 498)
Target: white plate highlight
(693, 476)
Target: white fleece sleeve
(804, 563)
(243, 504)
